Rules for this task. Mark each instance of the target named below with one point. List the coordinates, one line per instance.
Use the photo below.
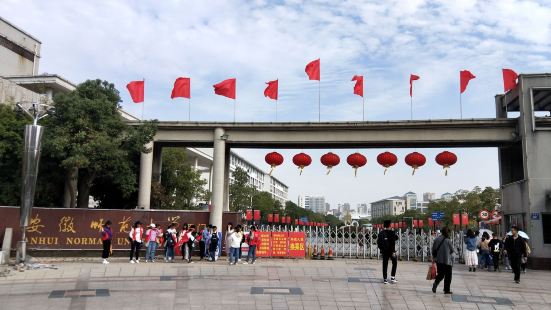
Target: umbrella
(482, 231)
(520, 233)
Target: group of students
(183, 242)
(514, 248)
(173, 242)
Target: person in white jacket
(235, 243)
(136, 240)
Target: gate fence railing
(361, 242)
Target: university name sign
(80, 229)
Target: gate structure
(361, 242)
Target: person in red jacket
(106, 237)
(253, 240)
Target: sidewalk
(269, 284)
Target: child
(213, 245)
(136, 239)
(151, 239)
(170, 242)
(235, 244)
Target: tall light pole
(29, 172)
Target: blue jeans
(234, 255)
(151, 249)
(252, 253)
(170, 252)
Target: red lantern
(330, 160)
(387, 159)
(415, 160)
(356, 160)
(302, 160)
(273, 159)
(446, 159)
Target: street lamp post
(29, 172)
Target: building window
(546, 224)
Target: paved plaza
(269, 284)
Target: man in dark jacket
(515, 248)
(386, 241)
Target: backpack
(214, 241)
(169, 239)
(382, 241)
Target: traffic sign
(535, 216)
(495, 215)
(484, 215)
(437, 216)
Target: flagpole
(319, 100)
(234, 104)
(189, 110)
(460, 106)
(411, 106)
(143, 103)
(276, 110)
(363, 108)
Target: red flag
(412, 77)
(313, 70)
(225, 88)
(509, 79)
(181, 88)
(136, 90)
(256, 215)
(465, 219)
(359, 87)
(464, 77)
(248, 215)
(271, 90)
(455, 218)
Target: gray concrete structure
(19, 51)
(524, 149)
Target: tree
(12, 126)
(92, 142)
(240, 190)
(181, 186)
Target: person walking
(136, 240)
(496, 247)
(214, 244)
(471, 256)
(506, 262)
(386, 241)
(170, 242)
(152, 242)
(442, 254)
(235, 243)
(106, 237)
(253, 242)
(515, 248)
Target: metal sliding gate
(357, 242)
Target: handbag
(431, 274)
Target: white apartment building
(390, 206)
(429, 196)
(201, 158)
(313, 203)
(411, 200)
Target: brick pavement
(270, 284)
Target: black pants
(106, 249)
(386, 257)
(495, 258)
(202, 249)
(515, 265)
(135, 250)
(444, 272)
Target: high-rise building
(390, 206)
(313, 203)
(411, 200)
(447, 196)
(327, 207)
(429, 197)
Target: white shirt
(235, 240)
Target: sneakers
(393, 280)
(517, 281)
(448, 293)
(245, 263)
(137, 261)
(385, 281)
(105, 262)
(132, 261)
(434, 288)
(253, 263)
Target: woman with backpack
(471, 255)
(170, 242)
(136, 240)
(214, 244)
(106, 237)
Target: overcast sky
(258, 41)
